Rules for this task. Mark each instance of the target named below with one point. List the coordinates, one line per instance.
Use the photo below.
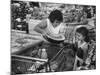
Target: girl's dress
(81, 55)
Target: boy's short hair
(55, 15)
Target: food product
(55, 36)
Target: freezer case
(28, 62)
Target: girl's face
(79, 37)
(56, 23)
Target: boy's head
(56, 17)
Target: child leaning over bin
(51, 25)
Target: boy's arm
(40, 27)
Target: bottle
(39, 53)
(43, 54)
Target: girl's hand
(85, 47)
(81, 60)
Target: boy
(51, 25)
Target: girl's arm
(85, 51)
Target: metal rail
(28, 58)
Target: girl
(82, 46)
